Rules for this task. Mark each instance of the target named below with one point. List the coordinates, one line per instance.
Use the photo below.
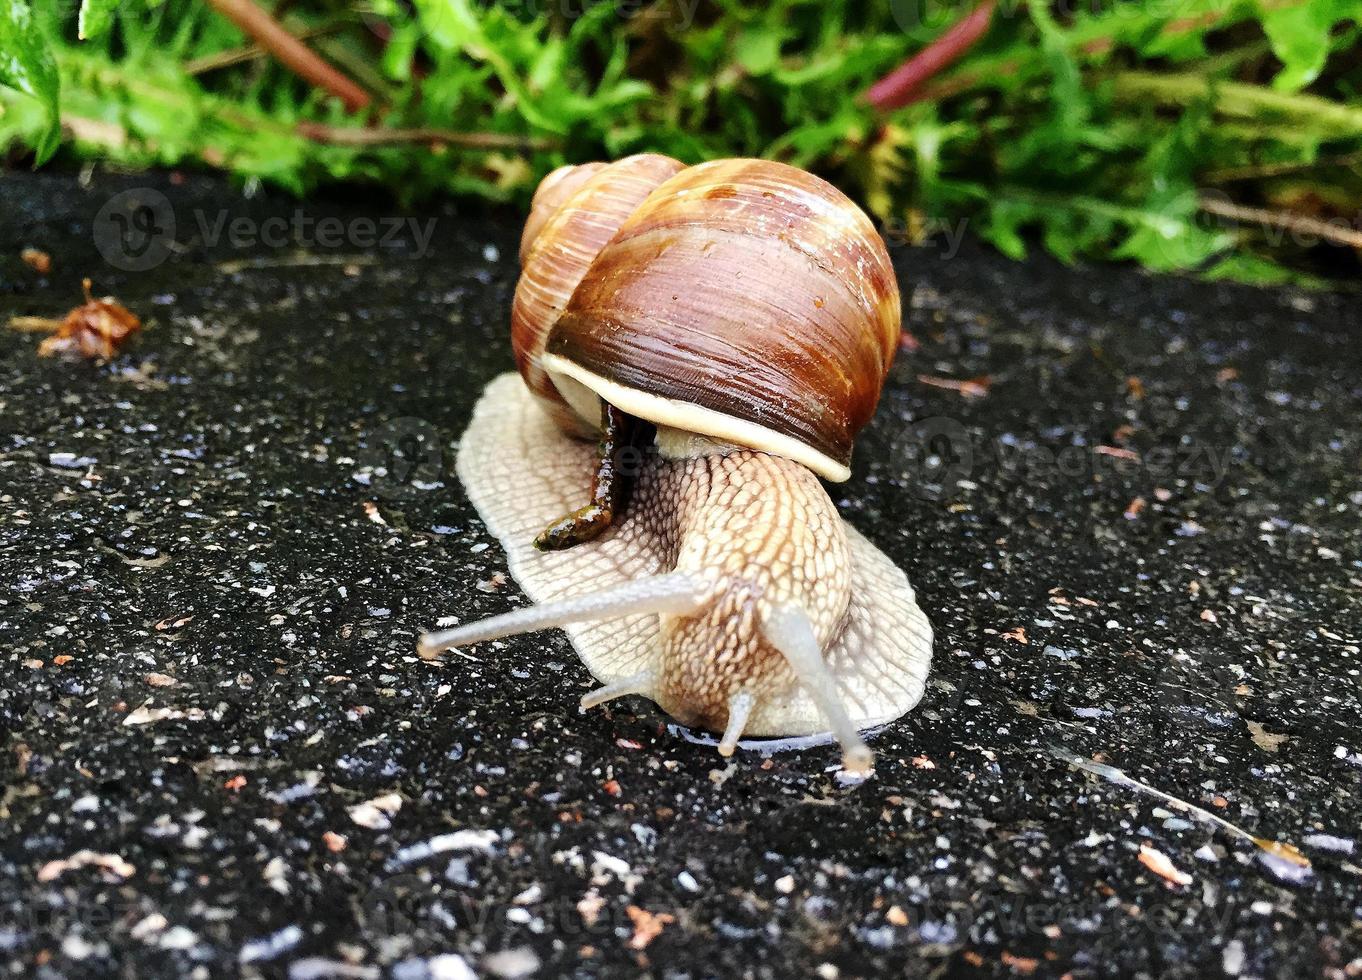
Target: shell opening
(580, 388)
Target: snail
(723, 331)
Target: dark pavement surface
(1139, 546)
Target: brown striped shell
(575, 212)
(743, 300)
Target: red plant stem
(900, 87)
(964, 81)
(291, 52)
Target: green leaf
(95, 18)
(1092, 131)
(26, 63)
(400, 52)
(492, 36)
(758, 50)
(1002, 226)
(1250, 268)
(1299, 34)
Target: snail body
(747, 311)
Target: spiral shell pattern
(576, 211)
(744, 300)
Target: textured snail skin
(763, 530)
(758, 530)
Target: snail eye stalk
(789, 630)
(677, 594)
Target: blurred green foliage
(1099, 129)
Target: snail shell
(576, 211)
(749, 310)
(743, 300)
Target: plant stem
(114, 76)
(1130, 214)
(1240, 99)
(902, 86)
(291, 52)
(1338, 233)
(354, 136)
(1093, 46)
(1280, 168)
(115, 136)
(249, 52)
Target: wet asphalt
(1129, 505)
